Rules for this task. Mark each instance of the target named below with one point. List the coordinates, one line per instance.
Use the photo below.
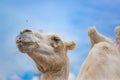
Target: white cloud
(15, 77)
(71, 76)
(36, 78)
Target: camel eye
(56, 39)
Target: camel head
(48, 50)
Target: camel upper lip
(23, 42)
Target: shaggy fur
(48, 51)
(103, 61)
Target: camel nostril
(27, 30)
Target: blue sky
(69, 18)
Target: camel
(48, 51)
(103, 61)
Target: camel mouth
(25, 44)
(21, 41)
(27, 47)
(20, 44)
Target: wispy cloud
(36, 78)
(72, 76)
(14, 77)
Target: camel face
(28, 41)
(48, 50)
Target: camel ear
(70, 45)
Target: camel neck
(52, 74)
(58, 75)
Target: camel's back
(102, 63)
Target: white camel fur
(48, 51)
(103, 61)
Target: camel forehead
(49, 35)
